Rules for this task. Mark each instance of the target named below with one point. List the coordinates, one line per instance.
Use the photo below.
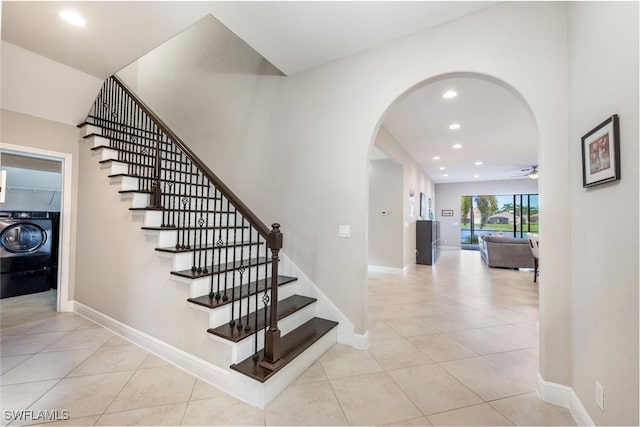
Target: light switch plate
(344, 231)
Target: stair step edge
(286, 307)
(212, 303)
(292, 345)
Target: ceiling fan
(531, 172)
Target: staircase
(219, 247)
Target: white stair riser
(245, 348)
(90, 129)
(220, 316)
(169, 238)
(105, 154)
(260, 394)
(138, 200)
(155, 219)
(184, 260)
(201, 286)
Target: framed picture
(447, 212)
(423, 204)
(601, 153)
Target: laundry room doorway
(35, 226)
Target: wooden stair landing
(291, 345)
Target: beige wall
(603, 80)
(306, 138)
(33, 132)
(385, 231)
(413, 179)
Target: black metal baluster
(207, 213)
(233, 276)
(217, 247)
(183, 200)
(200, 221)
(191, 196)
(242, 268)
(247, 326)
(225, 296)
(255, 320)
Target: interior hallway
(453, 344)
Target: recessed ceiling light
(457, 146)
(436, 157)
(73, 18)
(445, 174)
(450, 94)
(442, 168)
(478, 163)
(476, 176)
(454, 126)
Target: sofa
(506, 252)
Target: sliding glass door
(513, 215)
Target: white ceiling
(496, 129)
(297, 36)
(294, 36)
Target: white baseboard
(565, 396)
(389, 270)
(382, 269)
(202, 369)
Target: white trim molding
(565, 396)
(64, 302)
(390, 270)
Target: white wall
(448, 196)
(41, 87)
(385, 230)
(33, 132)
(32, 190)
(603, 80)
(306, 138)
(415, 180)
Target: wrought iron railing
(230, 244)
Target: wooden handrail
(226, 191)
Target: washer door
(23, 238)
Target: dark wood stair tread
(291, 346)
(222, 268)
(174, 250)
(286, 307)
(244, 290)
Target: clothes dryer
(25, 253)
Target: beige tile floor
(452, 344)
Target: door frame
(64, 302)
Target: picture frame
(423, 205)
(601, 153)
(447, 212)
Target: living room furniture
(505, 252)
(427, 242)
(534, 245)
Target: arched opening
(459, 313)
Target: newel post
(272, 340)
(156, 194)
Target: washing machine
(25, 253)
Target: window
(512, 215)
